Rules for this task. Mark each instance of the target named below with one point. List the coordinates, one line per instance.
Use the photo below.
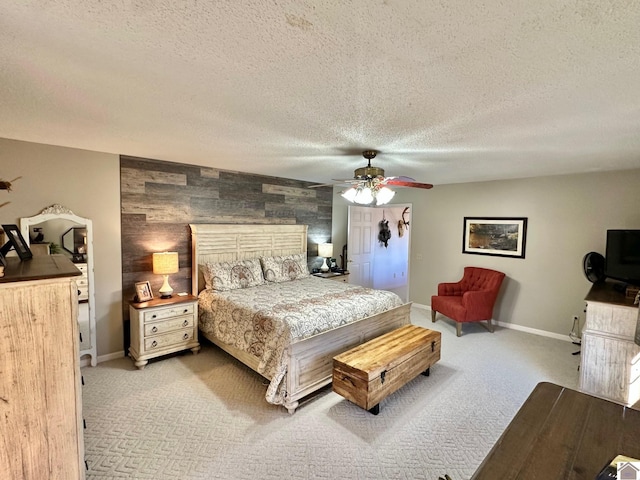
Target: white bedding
(264, 320)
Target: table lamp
(325, 250)
(165, 264)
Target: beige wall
(88, 183)
(567, 217)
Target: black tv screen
(622, 259)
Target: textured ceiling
(448, 91)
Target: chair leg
(490, 325)
(433, 316)
(459, 329)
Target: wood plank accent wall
(159, 199)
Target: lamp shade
(165, 263)
(325, 250)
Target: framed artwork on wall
(498, 236)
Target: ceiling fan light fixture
(350, 194)
(367, 193)
(364, 196)
(384, 195)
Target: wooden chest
(370, 372)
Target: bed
(296, 360)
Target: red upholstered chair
(469, 300)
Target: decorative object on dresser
(16, 241)
(143, 292)
(57, 224)
(40, 386)
(298, 364)
(370, 372)
(593, 267)
(325, 250)
(163, 326)
(610, 358)
(165, 264)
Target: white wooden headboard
(229, 242)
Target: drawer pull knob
(186, 310)
(153, 316)
(185, 336)
(185, 323)
(154, 344)
(154, 329)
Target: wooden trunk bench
(370, 372)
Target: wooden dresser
(610, 360)
(41, 431)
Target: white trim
(513, 326)
(85, 362)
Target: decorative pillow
(284, 268)
(232, 275)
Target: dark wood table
(562, 434)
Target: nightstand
(162, 326)
(337, 276)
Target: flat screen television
(622, 259)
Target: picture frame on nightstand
(143, 292)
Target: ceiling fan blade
(402, 178)
(337, 182)
(402, 183)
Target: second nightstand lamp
(165, 264)
(325, 250)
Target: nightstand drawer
(167, 326)
(160, 313)
(168, 340)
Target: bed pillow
(284, 268)
(232, 275)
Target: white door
(360, 243)
(370, 263)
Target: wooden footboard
(310, 361)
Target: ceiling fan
(369, 184)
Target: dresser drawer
(169, 325)
(160, 313)
(83, 293)
(168, 340)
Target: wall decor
(498, 236)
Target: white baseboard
(86, 361)
(513, 326)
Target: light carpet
(204, 416)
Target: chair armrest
(450, 288)
(479, 303)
